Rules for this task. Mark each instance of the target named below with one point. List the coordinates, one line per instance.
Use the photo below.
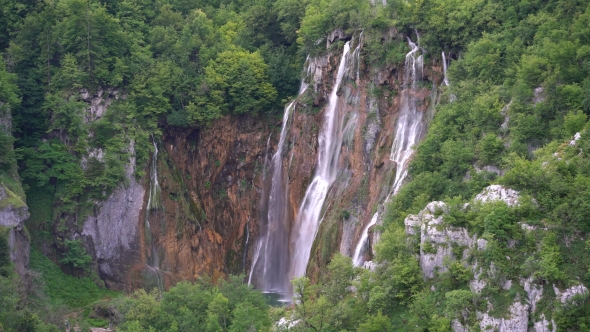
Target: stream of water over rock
(408, 131)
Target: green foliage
(65, 289)
(237, 83)
(230, 306)
(76, 255)
(8, 99)
(551, 259)
(5, 264)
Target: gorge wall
(210, 203)
(215, 182)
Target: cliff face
(441, 243)
(13, 210)
(369, 100)
(200, 208)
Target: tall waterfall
(271, 258)
(154, 202)
(330, 139)
(408, 129)
(270, 264)
(409, 124)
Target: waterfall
(356, 57)
(409, 124)
(452, 97)
(408, 129)
(271, 258)
(445, 79)
(155, 190)
(264, 166)
(154, 202)
(357, 259)
(308, 216)
(272, 255)
(246, 245)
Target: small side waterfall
(330, 140)
(408, 129)
(154, 198)
(446, 82)
(409, 124)
(357, 259)
(444, 60)
(154, 202)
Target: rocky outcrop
(436, 242)
(112, 232)
(436, 239)
(13, 214)
(13, 209)
(98, 102)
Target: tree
(236, 82)
(248, 318)
(218, 314)
(339, 277)
(376, 323)
(76, 255)
(550, 260)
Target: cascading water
(407, 133)
(330, 140)
(270, 265)
(154, 202)
(446, 82)
(409, 124)
(155, 190)
(357, 259)
(272, 256)
(445, 79)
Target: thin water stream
(408, 131)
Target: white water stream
(330, 140)
(409, 124)
(270, 265)
(408, 130)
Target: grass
(11, 199)
(64, 289)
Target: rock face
(112, 233)
(13, 214)
(13, 211)
(213, 180)
(436, 243)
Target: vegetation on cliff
(519, 93)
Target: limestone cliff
(13, 210)
(441, 243)
(198, 211)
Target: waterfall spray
(271, 258)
